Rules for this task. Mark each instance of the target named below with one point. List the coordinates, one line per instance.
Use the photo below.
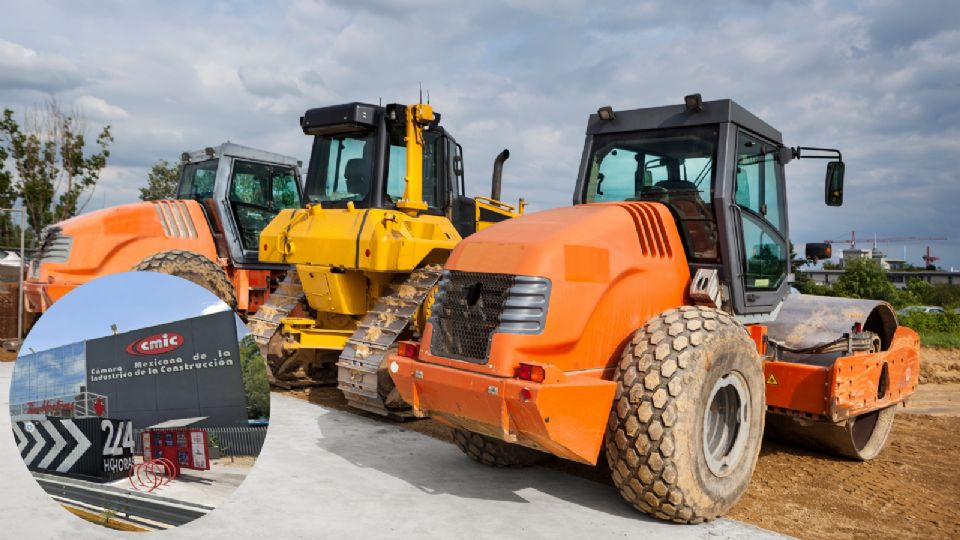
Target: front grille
(54, 247)
(470, 307)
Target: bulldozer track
(369, 345)
(265, 323)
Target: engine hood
(154, 218)
(584, 243)
(116, 239)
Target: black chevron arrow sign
(51, 445)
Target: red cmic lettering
(155, 344)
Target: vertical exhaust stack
(498, 174)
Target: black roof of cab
(345, 118)
(669, 116)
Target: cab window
(758, 180)
(197, 179)
(758, 194)
(639, 166)
(674, 167)
(258, 191)
(397, 169)
(341, 169)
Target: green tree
(865, 278)
(161, 181)
(255, 383)
(53, 170)
(8, 232)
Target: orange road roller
(654, 320)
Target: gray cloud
(266, 82)
(22, 68)
(901, 23)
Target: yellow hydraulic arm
(417, 117)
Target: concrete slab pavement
(331, 474)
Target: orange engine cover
(115, 240)
(612, 266)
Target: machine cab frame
(719, 170)
(241, 190)
(359, 157)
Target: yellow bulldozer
(384, 208)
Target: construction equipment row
(651, 321)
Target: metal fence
(232, 441)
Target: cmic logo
(155, 344)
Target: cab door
(463, 209)
(255, 193)
(760, 216)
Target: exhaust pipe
(498, 174)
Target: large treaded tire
(667, 378)
(192, 267)
(493, 452)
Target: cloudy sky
(878, 79)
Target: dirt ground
(240, 462)
(939, 366)
(912, 490)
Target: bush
(937, 294)
(932, 323)
(940, 341)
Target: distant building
(897, 264)
(181, 369)
(851, 254)
(875, 254)
(899, 278)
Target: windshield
(341, 168)
(196, 180)
(258, 191)
(675, 167)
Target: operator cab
(359, 157)
(719, 169)
(241, 190)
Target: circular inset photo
(139, 401)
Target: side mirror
(819, 251)
(833, 194)
(458, 165)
